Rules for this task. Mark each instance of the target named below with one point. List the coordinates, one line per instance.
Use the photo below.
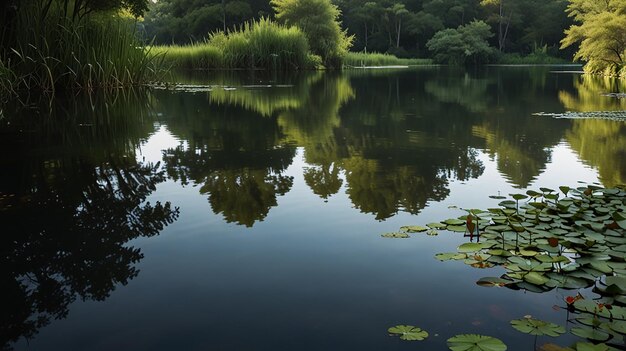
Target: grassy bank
(359, 59)
(261, 44)
(62, 54)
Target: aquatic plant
(408, 332)
(475, 342)
(573, 238)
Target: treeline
(399, 27)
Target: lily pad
(396, 235)
(475, 342)
(472, 247)
(590, 333)
(408, 332)
(413, 228)
(537, 327)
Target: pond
(244, 211)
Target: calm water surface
(245, 212)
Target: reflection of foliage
(237, 161)
(588, 94)
(519, 161)
(323, 180)
(75, 199)
(598, 142)
(469, 92)
(244, 196)
(374, 190)
(601, 144)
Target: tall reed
(61, 53)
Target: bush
(318, 19)
(258, 44)
(466, 44)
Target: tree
(457, 46)
(601, 33)
(319, 20)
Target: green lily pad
(590, 333)
(457, 228)
(587, 346)
(536, 278)
(408, 332)
(472, 247)
(450, 256)
(475, 342)
(413, 228)
(436, 225)
(396, 235)
(454, 221)
(537, 327)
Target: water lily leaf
(396, 235)
(618, 326)
(533, 193)
(432, 232)
(565, 189)
(472, 247)
(457, 228)
(413, 228)
(475, 342)
(590, 333)
(587, 346)
(537, 327)
(408, 332)
(536, 278)
(450, 256)
(493, 281)
(436, 225)
(519, 196)
(454, 221)
(546, 190)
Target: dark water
(250, 218)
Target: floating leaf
(493, 281)
(457, 228)
(450, 256)
(586, 346)
(475, 342)
(396, 235)
(408, 332)
(590, 333)
(471, 247)
(454, 221)
(413, 228)
(537, 327)
(536, 278)
(436, 225)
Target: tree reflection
(69, 208)
(234, 152)
(600, 143)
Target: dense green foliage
(399, 27)
(260, 44)
(601, 32)
(50, 45)
(457, 46)
(318, 19)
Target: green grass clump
(261, 44)
(59, 53)
(359, 59)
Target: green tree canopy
(319, 20)
(601, 32)
(466, 44)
